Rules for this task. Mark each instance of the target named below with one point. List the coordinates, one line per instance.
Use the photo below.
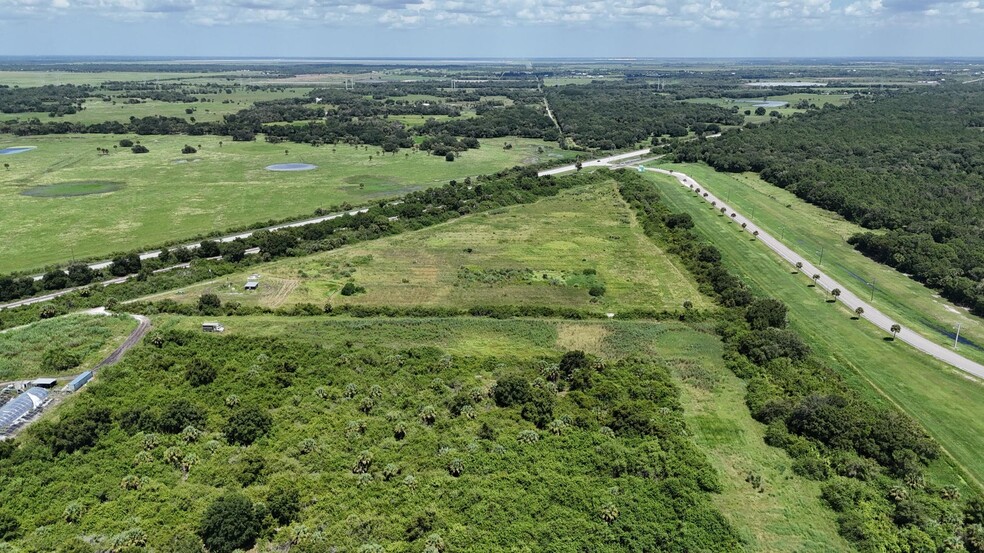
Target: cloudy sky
(493, 28)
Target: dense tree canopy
(912, 164)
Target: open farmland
(167, 196)
(211, 107)
(550, 253)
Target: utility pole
(957, 337)
(872, 285)
(821, 257)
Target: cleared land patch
(581, 249)
(86, 339)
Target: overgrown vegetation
(412, 446)
(872, 459)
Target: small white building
(212, 327)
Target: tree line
(910, 164)
(608, 116)
(871, 459)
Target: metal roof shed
(21, 405)
(44, 382)
(79, 381)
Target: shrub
(230, 523)
(247, 424)
(350, 289)
(511, 390)
(9, 526)
(209, 303)
(126, 143)
(56, 360)
(179, 414)
(456, 467)
(573, 361)
(139, 149)
(539, 409)
(283, 503)
(200, 373)
(596, 291)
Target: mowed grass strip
(89, 338)
(477, 336)
(550, 253)
(787, 514)
(943, 400)
(169, 196)
(807, 229)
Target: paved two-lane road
(851, 300)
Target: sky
(493, 28)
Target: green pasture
(807, 229)
(749, 103)
(40, 78)
(88, 338)
(534, 254)
(943, 400)
(96, 110)
(170, 196)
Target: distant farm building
(212, 327)
(44, 383)
(252, 283)
(79, 381)
(21, 406)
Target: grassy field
(475, 336)
(41, 78)
(788, 515)
(944, 401)
(89, 338)
(749, 103)
(807, 228)
(528, 255)
(170, 196)
(97, 111)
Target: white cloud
(735, 14)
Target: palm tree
(896, 328)
(836, 292)
(744, 225)
(609, 513)
(799, 265)
(755, 234)
(816, 278)
(859, 311)
(363, 463)
(456, 467)
(428, 414)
